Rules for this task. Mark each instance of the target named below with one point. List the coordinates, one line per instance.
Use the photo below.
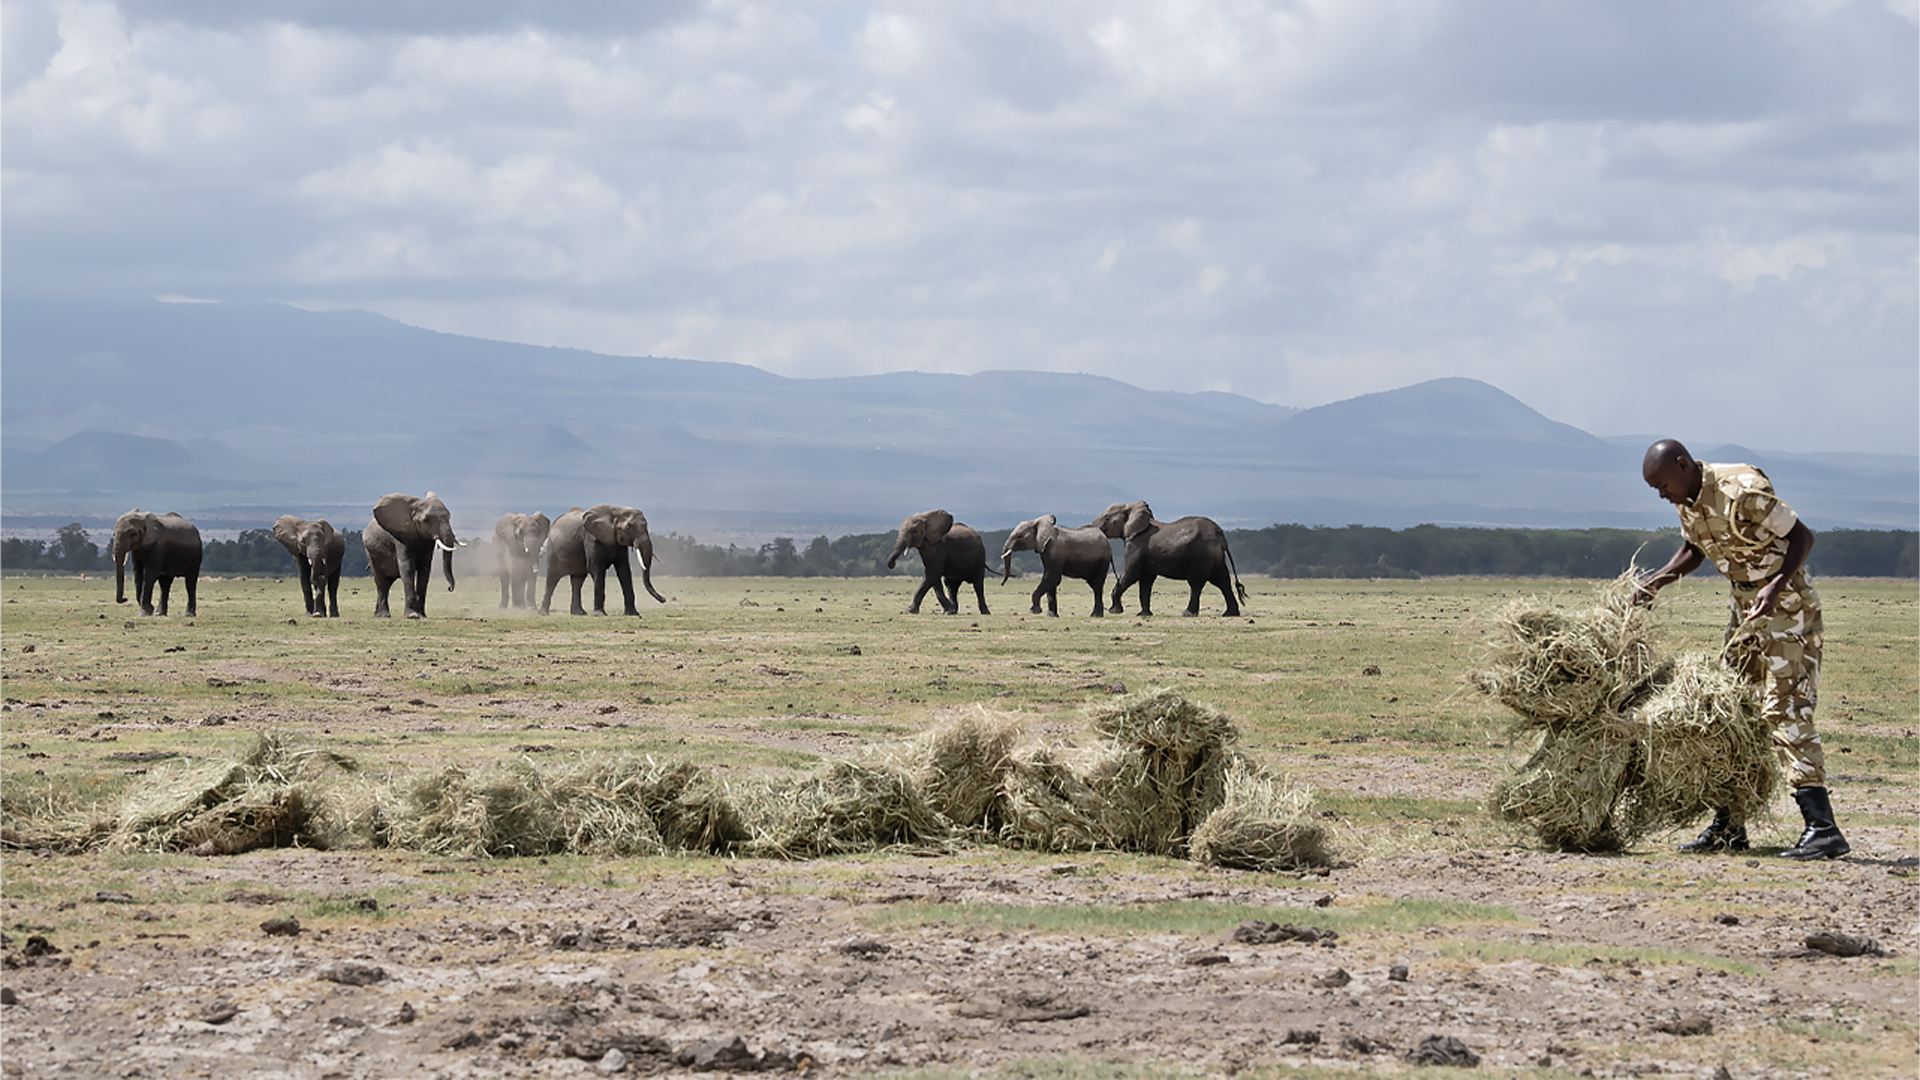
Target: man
(1729, 514)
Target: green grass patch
(1577, 955)
(1196, 918)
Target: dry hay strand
(498, 809)
(44, 818)
(844, 807)
(1561, 666)
(1263, 823)
(1569, 789)
(1185, 748)
(961, 764)
(223, 807)
(1707, 746)
(693, 811)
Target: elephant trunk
(1006, 564)
(899, 548)
(446, 558)
(645, 551)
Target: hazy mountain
(263, 408)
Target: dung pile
(1161, 777)
(1631, 742)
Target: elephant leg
(192, 583)
(1050, 584)
(948, 593)
(579, 582)
(1223, 580)
(1146, 596)
(979, 593)
(506, 588)
(1038, 591)
(546, 602)
(405, 559)
(599, 574)
(625, 574)
(1098, 584)
(143, 587)
(920, 594)
(1193, 601)
(382, 585)
(333, 595)
(166, 591)
(306, 585)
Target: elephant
(400, 541)
(319, 549)
(517, 539)
(163, 547)
(586, 542)
(1082, 553)
(950, 551)
(1193, 549)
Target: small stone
(1725, 919)
(1302, 1037)
(613, 1061)
(1208, 960)
(287, 927)
(351, 973)
(853, 650)
(8, 997)
(1844, 944)
(1370, 669)
(105, 897)
(367, 903)
(217, 1012)
(404, 1014)
(1442, 1050)
(1333, 980)
(1323, 900)
(1397, 973)
(1685, 1024)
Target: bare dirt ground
(986, 962)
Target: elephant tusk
(442, 544)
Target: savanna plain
(961, 960)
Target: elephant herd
(1191, 549)
(407, 530)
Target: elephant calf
(162, 547)
(319, 550)
(587, 542)
(1193, 549)
(517, 540)
(952, 553)
(1082, 553)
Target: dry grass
(1631, 742)
(1264, 823)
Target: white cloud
(1299, 201)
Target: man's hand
(1765, 600)
(1643, 596)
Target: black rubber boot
(1822, 840)
(1721, 835)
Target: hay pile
(1631, 742)
(1162, 778)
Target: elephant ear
(542, 525)
(637, 526)
(286, 529)
(1044, 533)
(1139, 519)
(939, 524)
(599, 523)
(395, 513)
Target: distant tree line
(1294, 551)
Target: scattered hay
(224, 807)
(961, 765)
(1631, 742)
(846, 806)
(1163, 770)
(1263, 823)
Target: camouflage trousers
(1780, 653)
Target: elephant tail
(1241, 589)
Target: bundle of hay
(1557, 667)
(843, 807)
(264, 798)
(1263, 823)
(1067, 798)
(961, 764)
(1630, 741)
(1705, 745)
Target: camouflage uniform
(1740, 525)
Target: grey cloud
(422, 16)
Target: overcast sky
(1691, 218)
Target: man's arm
(1799, 546)
(1684, 562)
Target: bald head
(1671, 471)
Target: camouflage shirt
(1738, 523)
